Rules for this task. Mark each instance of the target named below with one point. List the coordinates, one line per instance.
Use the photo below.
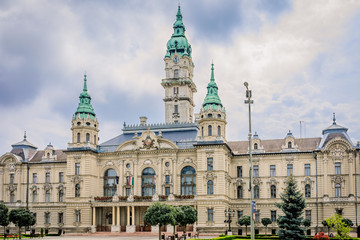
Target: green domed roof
(178, 42)
(85, 109)
(212, 100)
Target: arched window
(88, 137)
(255, 146)
(202, 131)
(110, 182)
(307, 191)
(95, 139)
(219, 131)
(48, 155)
(47, 196)
(148, 185)
(188, 181)
(77, 190)
(78, 137)
(176, 73)
(209, 130)
(61, 195)
(289, 145)
(337, 190)
(34, 196)
(210, 115)
(239, 192)
(273, 191)
(12, 196)
(210, 187)
(256, 192)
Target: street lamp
(249, 102)
(229, 214)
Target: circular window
(88, 123)
(167, 164)
(128, 165)
(78, 123)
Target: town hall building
(187, 160)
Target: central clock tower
(178, 84)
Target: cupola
(212, 117)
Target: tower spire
(84, 108)
(212, 72)
(334, 119)
(212, 99)
(85, 85)
(24, 135)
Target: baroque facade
(187, 160)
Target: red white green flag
(130, 181)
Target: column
(113, 216)
(325, 160)
(351, 174)
(2, 188)
(128, 216)
(93, 226)
(133, 215)
(118, 216)
(174, 180)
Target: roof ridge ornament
(24, 135)
(334, 119)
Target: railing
(145, 198)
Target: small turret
(212, 117)
(85, 126)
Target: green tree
(159, 214)
(292, 205)
(348, 222)
(21, 217)
(244, 221)
(307, 223)
(266, 222)
(176, 211)
(336, 222)
(4, 216)
(186, 215)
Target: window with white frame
(47, 196)
(256, 192)
(34, 177)
(308, 214)
(77, 216)
(337, 168)
(273, 216)
(47, 218)
(307, 169)
(289, 169)
(210, 164)
(256, 171)
(307, 191)
(273, 191)
(272, 170)
(337, 190)
(210, 214)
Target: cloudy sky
(301, 59)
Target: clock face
(176, 59)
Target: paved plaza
(118, 236)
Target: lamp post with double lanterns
(252, 203)
(229, 214)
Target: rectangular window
(210, 162)
(239, 171)
(210, 214)
(176, 90)
(61, 217)
(272, 171)
(273, 216)
(61, 177)
(34, 177)
(257, 216)
(176, 109)
(167, 179)
(308, 214)
(167, 191)
(338, 168)
(307, 169)
(256, 170)
(339, 211)
(12, 177)
(12, 196)
(77, 216)
(128, 191)
(77, 168)
(240, 213)
(47, 177)
(47, 218)
(289, 169)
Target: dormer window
(48, 155)
(176, 73)
(210, 115)
(289, 145)
(255, 146)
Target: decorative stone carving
(33, 188)
(47, 186)
(209, 153)
(148, 162)
(121, 162)
(338, 179)
(171, 197)
(76, 179)
(11, 187)
(337, 153)
(188, 160)
(12, 167)
(109, 163)
(130, 198)
(210, 175)
(272, 181)
(307, 180)
(227, 177)
(257, 181)
(60, 187)
(155, 197)
(239, 182)
(77, 156)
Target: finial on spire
(85, 86)
(24, 135)
(212, 71)
(334, 119)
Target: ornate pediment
(307, 180)
(11, 187)
(338, 179)
(239, 182)
(337, 153)
(76, 179)
(210, 175)
(272, 181)
(257, 181)
(47, 186)
(60, 187)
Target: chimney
(143, 121)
